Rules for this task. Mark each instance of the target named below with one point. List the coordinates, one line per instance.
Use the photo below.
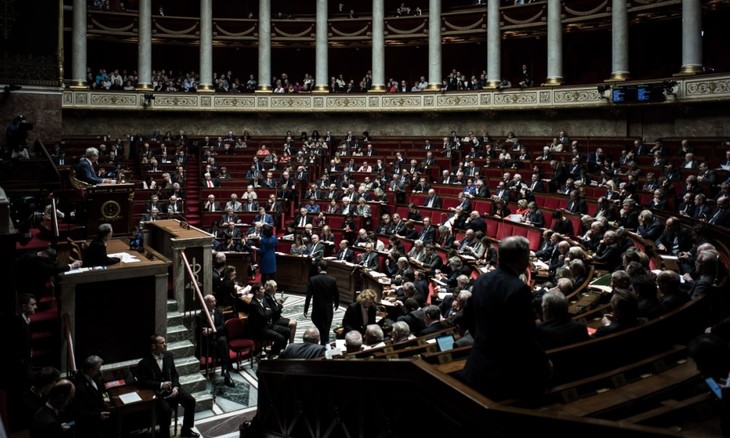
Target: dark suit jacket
(506, 359)
(95, 255)
(427, 235)
(259, 317)
(477, 224)
(207, 343)
(322, 289)
(349, 255)
(85, 172)
(150, 376)
(578, 206)
(46, 424)
(88, 404)
(369, 261)
(436, 201)
(433, 328)
(414, 320)
(353, 318)
(304, 350)
(558, 332)
(564, 227)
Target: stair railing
(68, 339)
(201, 302)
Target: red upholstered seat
(238, 344)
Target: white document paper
(130, 397)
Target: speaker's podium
(110, 203)
(170, 236)
(112, 311)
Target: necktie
(210, 183)
(342, 255)
(430, 202)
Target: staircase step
(172, 305)
(203, 401)
(187, 365)
(194, 382)
(177, 333)
(181, 349)
(174, 318)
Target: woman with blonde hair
(361, 312)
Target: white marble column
(691, 36)
(206, 46)
(554, 44)
(378, 46)
(494, 45)
(435, 72)
(78, 45)
(321, 56)
(619, 41)
(264, 79)
(144, 46)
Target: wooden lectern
(110, 203)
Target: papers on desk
(79, 270)
(376, 274)
(540, 265)
(439, 282)
(467, 257)
(514, 217)
(443, 295)
(130, 397)
(125, 257)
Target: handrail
(198, 294)
(70, 356)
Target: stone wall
(649, 122)
(42, 107)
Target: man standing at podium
(85, 169)
(323, 289)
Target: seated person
(95, 254)
(624, 314)
(156, 371)
(557, 328)
(309, 348)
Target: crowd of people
(228, 82)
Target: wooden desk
(241, 261)
(102, 302)
(167, 237)
(292, 272)
(121, 409)
(345, 274)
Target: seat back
(235, 328)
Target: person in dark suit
(369, 259)
(33, 398)
(156, 371)
(260, 320)
(432, 200)
(557, 328)
(534, 216)
(674, 239)
(85, 168)
(355, 319)
(413, 316)
(428, 232)
(506, 360)
(310, 348)
(624, 314)
(47, 421)
(475, 222)
(95, 254)
(210, 342)
(561, 224)
(91, 412)
(345, 253)
(301, 220)
(650, 227)
(608, 252)
(432, 318)
(325, 298)
(576, 204)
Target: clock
(110, 210)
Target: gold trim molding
(689, 89)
